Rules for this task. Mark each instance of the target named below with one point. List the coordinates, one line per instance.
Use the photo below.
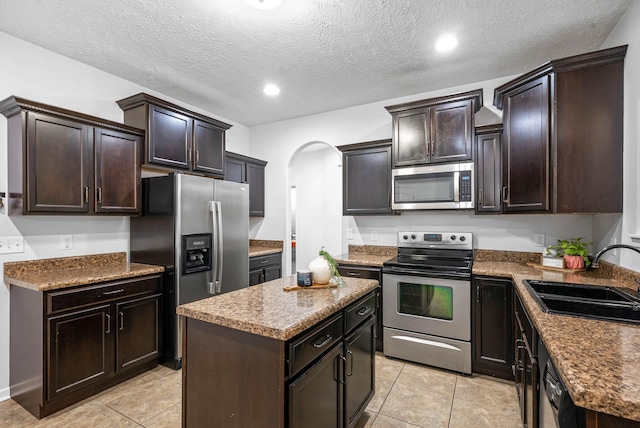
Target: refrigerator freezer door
(234, 219)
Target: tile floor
(407, 396)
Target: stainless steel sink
(584, 300)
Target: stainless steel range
(427, 300)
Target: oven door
(434, 306)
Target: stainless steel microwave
(432, 187)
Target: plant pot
(574, 262)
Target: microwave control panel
(465, 186)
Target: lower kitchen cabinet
(526, 365)
(368, 272)
(265, 268)
(93, 337)
(492, 327)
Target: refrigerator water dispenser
(196, 253)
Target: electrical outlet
(11, 244)
(349, 233)
(66, 242)
(539, 239)
(374, 235)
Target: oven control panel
(435, 239)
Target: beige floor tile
(388, 368)
(13, 415)
(126, 387)
(92, 414)
(170, 418)
(150, 398)
(383, 421)
(383, 387)
(366, 419)
(418, 406)
(481, 402)
(424, 377)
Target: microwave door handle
(456, 186)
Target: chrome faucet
(594, 264)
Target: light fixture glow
(263, 4)
(446, 43)
(271, 90)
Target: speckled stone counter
(57, 273)
(599, 361)
(260, 247)
(267, 310)
(367, 255)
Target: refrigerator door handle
(216, 219)
(213, 273)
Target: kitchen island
(598, 361)
(262, 355)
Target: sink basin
(584, 300)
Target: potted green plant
(574, 251)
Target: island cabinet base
(231, 378)
(602, 420)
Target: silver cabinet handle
(99, 201)
(364, 311)
(354, 273)
(479, 196)
(121, 321)
(324, 342)
(505, 194)
(106, 293)
(108, 323)
(350, 373)
(86, 194)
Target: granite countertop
(262, 247)
(63, 272)
(267, 310)
(367, 255)
(599, 361)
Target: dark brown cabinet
(265, 268)
(525, 365)
(368, 272)
(359, 371)
(65, 162)
(366, 178)
(488, 169)
(562, 145)
(434, 130)
(492, 327)
(177, 138)
(244, 169)
(93, 337)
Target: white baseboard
(5, 394)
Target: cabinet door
(359, 379)
(493, 327)
(451, 131)
(234, 170)
(531, 390)
(169, 138)
(411, 137)
(525, 163)
(117, 172)
(272, 272)
(58, 165)
(315, 398)
(256, 276)
(80, 349)
(255, 179)
(489, 172)
(366, 181)
(208, 146)
(138, 331)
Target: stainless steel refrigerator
(198, 229)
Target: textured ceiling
(324, 54)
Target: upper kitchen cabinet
(177, 139)
(562, 146)
(366, 178)
(434, 130)
(243, 169)
(488, 168)
(65, 162)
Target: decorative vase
(574, 262)
(320, 270)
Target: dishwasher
(556, 407)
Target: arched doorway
(315, 203)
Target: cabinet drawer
(360, 272)
(359, 311)
(77, 297)
(262, 261)
(314, 343)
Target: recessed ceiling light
(446, 43)
(271, 90)
(263, 4)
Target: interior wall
(37, 74)
(608, 230)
